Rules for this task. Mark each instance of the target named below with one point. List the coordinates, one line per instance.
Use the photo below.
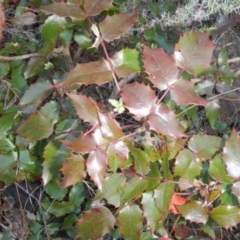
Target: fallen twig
(12, 58)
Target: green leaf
(36, 93)
(133, 188)
(231, 153)
(52, 27)
(217, 170)
(4, 69)
(153, 177)
(150, 210)
(77, 194)
(58, 208)
(95, 223)
(36, 127)
(54, 190)
(205, 146)
(112, 187)
(226, 216)
(29, 163)
(187, 166)
(6, 145)
(7, 161)
(130, 222)
(194, 211)
(212, 113)
(163, 195)
(54, 155)
(52, 110)
(83, 40)
(125, 62)
(73, 170)
(7, 120)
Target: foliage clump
(73, 121)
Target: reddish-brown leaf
(63, 9)
(96, 166)
(193, 53)
(83, 144)
(164, 121)
(114, 26)
(139, 99)
(176, 200)
(2, 20)
(182, 92)
(109, 127)
(161, 67)
(88, 73)
(94, 7)
(86, 108)
(73, 170)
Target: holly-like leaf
(212, 112)
(205, 146)
(193, 53)
(226, 216)
(231, 153)
(95, 223)
(164, 121)
(111, 190)
(96, 166)
(36, 93)
(73, 170)
(114, 26)
(176, 200)
(54, 155)
(36, 127)
(139, 99)
(194, 211)
(130, 222)
(161, 67)
(217, 170)
(187, 166)
(163, 195)
(150, 210)
(88, 73)
(117, 154)
(63, 9)
(7, 161)
(126, 62)
(83, 144)
(109, 127)
(86, 108)
(182, 92)
(2, 20)
(94, 7)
